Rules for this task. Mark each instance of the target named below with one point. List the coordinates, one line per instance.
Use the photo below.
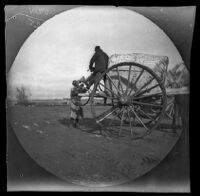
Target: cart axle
(125, 100)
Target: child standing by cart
(76, 112)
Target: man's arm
(92, 61)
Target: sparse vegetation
(22, 95)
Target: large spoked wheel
(136, 100)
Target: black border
(194, 60)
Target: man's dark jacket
(100, 59)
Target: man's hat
(97, 47)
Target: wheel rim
(136, 95)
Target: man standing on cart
(100, 60)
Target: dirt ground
(81, 155)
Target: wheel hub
(124, 100)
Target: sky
(59, 50)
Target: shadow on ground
(89, 125)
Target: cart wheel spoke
(146, 114)
(147, 96)
(139, 119)
(147, 90)
(118, 91)
(112, 93)
(132, 114)
(147, 104)
(105, 114)
(129, 73)
(130, 124)
(115, 117)
(146, 84)
(137, 79)
(120, 82)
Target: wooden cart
(135, 92)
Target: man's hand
(91, 69)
